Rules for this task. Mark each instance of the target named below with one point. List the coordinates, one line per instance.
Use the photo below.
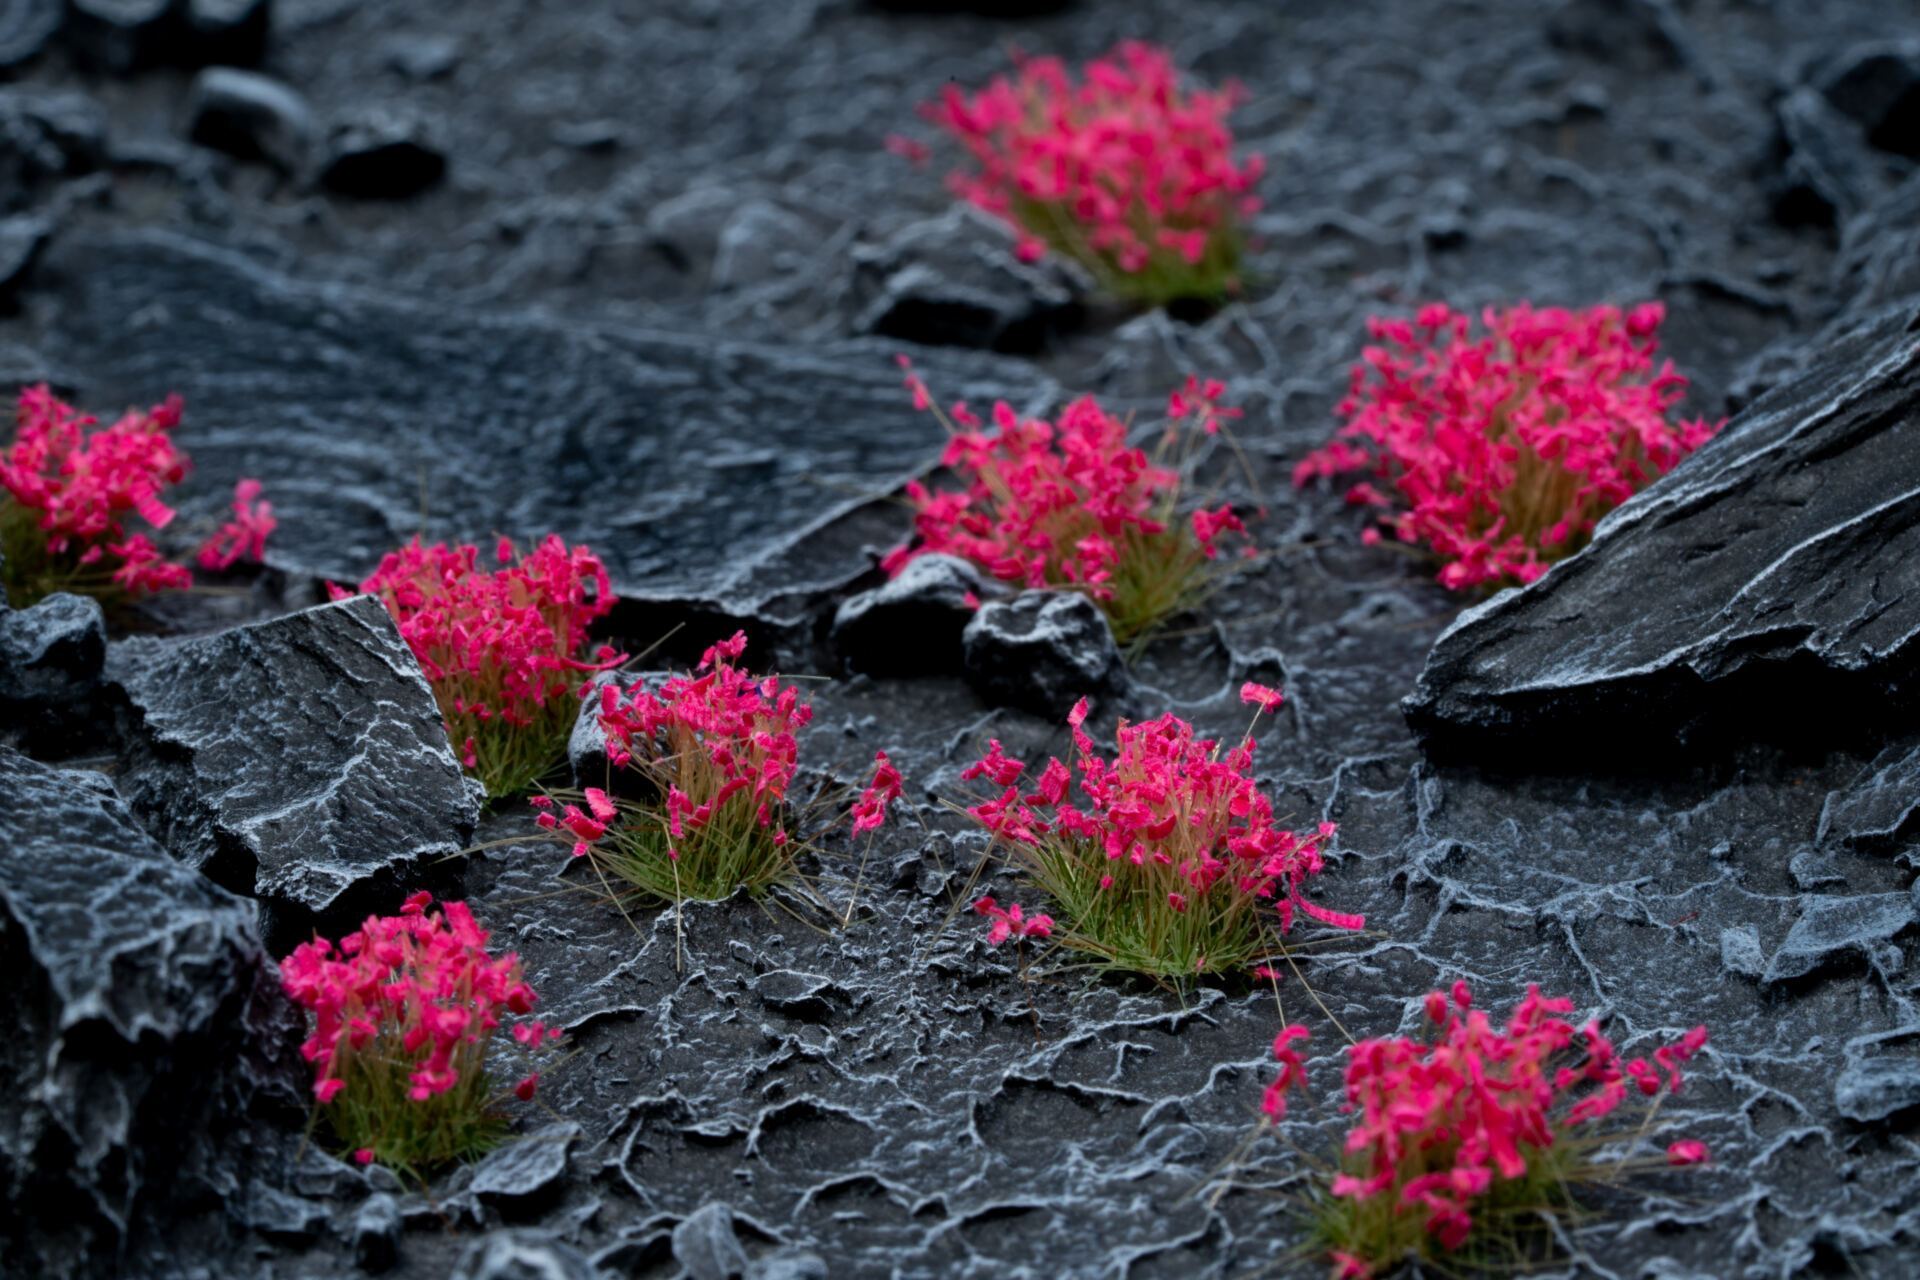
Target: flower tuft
(243, 538)
(1121, 169)
(1502, 451)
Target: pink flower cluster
(82, 480)
(1170, 812)
(1121, 168)
(1500, 452)
(714, 739)
(496, 645)
(1441, 1121)
(245, 536)
(416, 991)
(1051, 504)
(1012, 921)
(870, 810)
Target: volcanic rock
(1878, 808)
(44, 136)
(50, 661)
(518, 1253)
(375, 1233)
(251, 116)
(355, 404)
(381, 155)
(1881, 1078)
(1786, 553)
(526, 1164)
(137, 987)
(1042, 651)
(25, 28)
(706, 1245)
(301, 760)
(1832, 928)
(910, 625)
(954, 281)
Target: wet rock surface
(640, 326)
(299, 760)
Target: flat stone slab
(370, 418)
(295, 760)
(1775, 574)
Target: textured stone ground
(647, 297)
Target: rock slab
(1771, 581)
(301, 760)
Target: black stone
(50, 661)
(912, 624)
(1882, 1076)
(26, 27)
(375, 1234)
(1042, 651)
(1768, 569)
(1835, 928)
(253, 117)
(1877, 809)
(526, 1165)
(301, 761)
(516, 1253)
(1879, 86)
(382, 155)
(137, 987)
(707, 1246)
(230, 33)
(1826, 175)
(46, 136)
(122, 35)
(954, 281)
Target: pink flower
(1293, 1071)
(1123, 168)
(871, 809)
(524, 1089)
(1263, 696)
(245, 536)
(364, 1155)
(1686, 1151)
(1011, 921)
(1501, 452)
(328, 1090)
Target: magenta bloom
(245, 536)
(1500, 452)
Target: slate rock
(1825, 173)
(705, 1244)
(1879, 262)
(799, 995)
(788, 1264)
(955, 281)
(1870, 1089)
(526, 1164)
(520, 1253)
(26, 27)
(137, 985)
(45, 136)
(1878, 85)
(122, 35)
(422, 57)
(758, 242)
(1042, 651)
(1878, 809)
(375, 1233)
(300, 760)
(1784, 555)
(910, 625)
(687, 226)
(22, 237)
(251, 116)
(50, 661)
(354, 402)
(1740, 951)
(1832, 928)
(382, 155)
(587, 744)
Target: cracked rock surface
(661, 322)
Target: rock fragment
(26, 28)
(301, 760)
(1042, 651)
(252, 117)
(1833, 928)
(382, 155)
(912, 624)
(521, 1253)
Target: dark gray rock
(1042, 651)
(26, 27)
(516, 426)
(1881, 1078)
(230, 33)
(1740, 951)
(420, 56)
(22, 237)
(596, 136)
(137, 987)
(1834, 928)
(910, 625)
(253, 117)
(375, 1234)
(788, 1264)
(801, 995)
(50, 661)
(1877, 810)
(523, 1254)
(1826, 174)
(526, 1164)
(758, 242)
(954, 281)
(1628, 33)
(1878, 85)
(301, 760)
(1879, 263)
(382, 155)
(46, 136)
(1763, 563)
(122, 35)
(706, 1245)
(587, 744)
